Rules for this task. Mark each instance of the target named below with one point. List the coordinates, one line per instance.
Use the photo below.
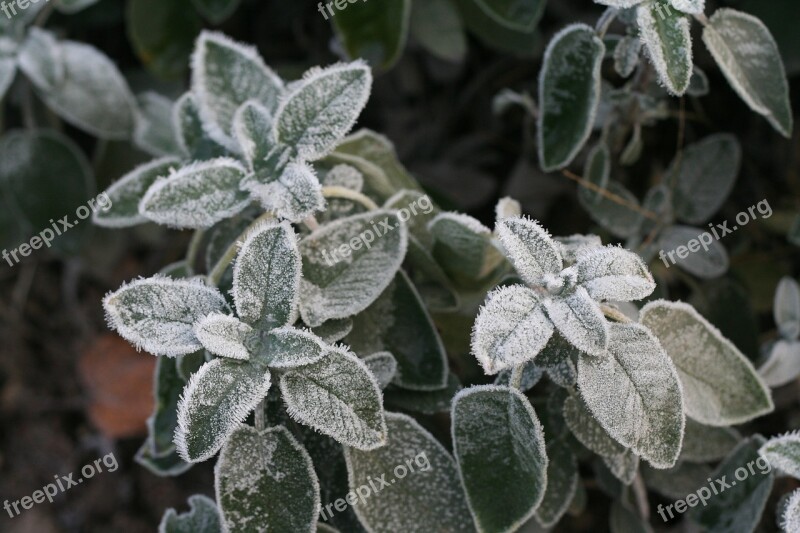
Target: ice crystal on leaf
(223, 335)
(783, 453)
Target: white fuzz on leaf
(295, 195)
(291, 348)
(529, 247)
(790, 519)
(783, 453)
(579, 320)
(223, 335)
(252, 127)
(612, 273)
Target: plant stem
(614, 314)
(194, 248)
(230, 254)
(611, 196)
(640, 492)
(334, 191)
(516, 377)
(605, 20)
(259, 416)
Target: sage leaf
(425, 402)
(705, 444)
(786, 308)
(377, 33)
(167, 464)
(626, 56)
(783, 364)
(191, 135)
(693, 7)
(704, 262)
(529, 247)
(783, 453)
(562, 481)
(253, 130)
(383, 366)
(39, 57)
(223, 335)
(463, 247)
(154, 131)
(202, 518)
(288, 347)
(621, 219)
(666, 37)
(612, 273)
(295, 195)
(579, 320)
(790, 519)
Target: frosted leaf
(192, 138)
(428, 499)
(563, 373)
(783, 364)
(348, 263)
(704, 175)
(624, 466)
(666, 37)
(635, 394)
(266, 276)
(334, 330)
(706, 264)
(322, 108)
(126, 193)
(507, 207)
(790, 519)
(677, 482)
(339, 397)
(216, 400)
(693, 7)
(612, 273)
(202, 518)
(783, 453)
(747, 54)
(225, 75)
(92, 95)
(511, 329)
(529, 247)
(383, 366)
(265, 481)
(39, 57)
(223, 335)
(289, 347)
(418, 211)
(786, 308)
(585, 427)
(531, 374)
(425, 402)
(699, 85)
(154, 131)
(345, 176)
(579, 320)
(720, 386)
(626, 55)
(705, 444)
(569, 92)
(295, 195)
(197, 196)
(252, 128)
(157, 314)
(562, 481)
(570, 246)
(167, 387)
(168, 465)
(463, 247)
(498, 442)
(622, 4)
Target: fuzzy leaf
(498, 442)
(225, 75)
(217, 399)
(511, 329)
(253, 129)
(706, 264)
(626, 55)
(562, 482)
(223, 335)
(126, 193)
(154, 131)
(383, 366)
(720, 386)
(339, 397)
(747, 54)
(161, 424)
(621, 220)
(266, 276)
(339, 289)
(157, 314)
(579, 320)
(529, 247)
(463, 247)
(588, 430)
(409, 504)
(192, 138)
(202, 518)
(622, 4)
(679, 481)
(322, 108)
(519, 15)
(265, 481)
(783, 364)
(612, 273)
(425, 402)
(288, 347)
(783, 453)
(569, 91)
(197, 196)
(666, 37)
(692, 7)
(790, 519)
(296, 194)
(438, 27)
(705, 444)
(623, 466)
(377, 32)
(39, 57)
(334, 330)
(635, 394)
(531, 375)
(786, 308)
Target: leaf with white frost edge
(346, 176)
(692, 7)
(344, 288)
(783, 453)
(322, 108)
(706, 444)
(202, 518)
(562, 482)
(339, 397)
(126, 194)
(529, 247)
(383, 366)
(613, 273)
(223, 335)
(786, 308)
(749, 58)
(498, 442)
(425, 500)
(783, 364)
(790, 519)
(265, 481)
(252, 127)
(585, 427)
(678, 481)
(511, 329)
(225, 75)
(216, 400)
(507, 207)
(39, 57)
(192, 138)
(197, 196)
(157, 314)
(295, 195)
(266, 276)
(626, 55)
(289, 347)
(624, 466)
(570, 246)
(635, 394)
(705, 264)
(531, 375)
(579, 320)
(462, 246)
(666, 37)
(622, 4)
(720, 386)
(155, 132)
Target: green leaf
(383, 366)
(463, 247)
(612, 273)
(634, 393)
(704, 176)
(520, 15)
(679, 481)
(197, 196)
(253, 129)
(169, 464)
(740, 506)
(202, 518)
(157, 314)
(585, 427)
(425, 402)
(597, 171)
(339, 397)
(225, 75)
(747, 54)
(154, 131)
(266, 276)
(8, 71)
(569, 91)
(666, 37)
(167, 388)
(224, 335)
(530, 248)
(562, 482)
(374, 31)
(322, 108)
(437, 26)
(265, 481)
(288, 347)
(398, 322)
(783, 453)
(501, 36)
(216, 400)
(126, 193)
(295, 195)
(626, 55)
(348, 263)
(786, 308)
(193, 140)
(216, 11)
(620, 219)
(39, 58)
(409, 504)
(499, 443)
(705, 444)
(720, 386)
(704, 263)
